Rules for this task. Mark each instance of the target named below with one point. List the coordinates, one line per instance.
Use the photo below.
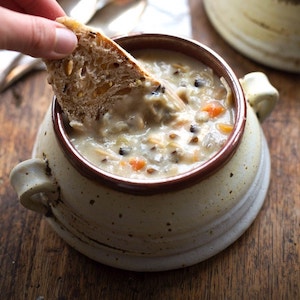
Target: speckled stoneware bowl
(267, 31)
(154, 225)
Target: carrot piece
(214, 109)
(137, 163)
(225, 128)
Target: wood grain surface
(263, 264)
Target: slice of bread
(88, 82)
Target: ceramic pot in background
(266, 31)
(154, 225)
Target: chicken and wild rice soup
(148, 138)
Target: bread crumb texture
(89, 81)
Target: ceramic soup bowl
(169, 223)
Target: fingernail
(66, 41)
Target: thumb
(35, 36)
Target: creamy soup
(146, 138)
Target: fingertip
(65, 43)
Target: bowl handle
(34, 184)
(260, 93)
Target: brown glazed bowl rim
(180, 181)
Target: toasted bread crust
(96, 75)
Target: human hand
(28, 26)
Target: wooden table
(263, 264)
